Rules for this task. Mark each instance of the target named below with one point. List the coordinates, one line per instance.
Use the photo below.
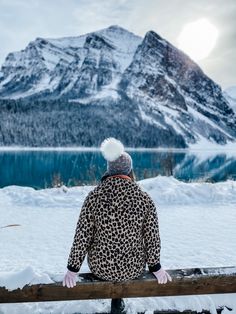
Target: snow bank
(170, 191)
(164, 190)
(197, 228)
(18, 279)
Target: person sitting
(117, 226)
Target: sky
(21, 21)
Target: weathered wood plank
(184, 282)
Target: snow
(8, 79)
(150, 119)
(203, 148)
(173, 123)
(48, 148)
(70, 41)
(231, 91)
(168, 190)
(230, 95)
(120, 37)
(47, 53)
(168, 110)
(197, 228)
(107, 91)
(42, 85)
(205, 145)
(199, 116)
(18, 279)
(124, 42)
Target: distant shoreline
(195, 147)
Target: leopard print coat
(118, 230)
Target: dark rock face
(176, 88)
(143, 91)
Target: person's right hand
(162, 276)
(69, 279)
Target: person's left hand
(162, 276)
(69, 279)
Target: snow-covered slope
(230, 95)
(146, 88)
(197, 229)
(72, 66)
(171, 88)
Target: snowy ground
(197, 228)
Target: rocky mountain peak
(147, 82)
(97, 42)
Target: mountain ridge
(148, 79)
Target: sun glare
(197, 39)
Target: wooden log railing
(184, 282)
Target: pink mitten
(69, 279)
(162, 276)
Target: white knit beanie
(118, 161)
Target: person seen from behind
(118, 226)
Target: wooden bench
(184, 282)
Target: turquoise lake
(49, 168)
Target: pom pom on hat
(118, 161)
(112, 149)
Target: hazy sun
(197, 39)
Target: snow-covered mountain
(73, 67)
(143, 90)
(230, 95)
